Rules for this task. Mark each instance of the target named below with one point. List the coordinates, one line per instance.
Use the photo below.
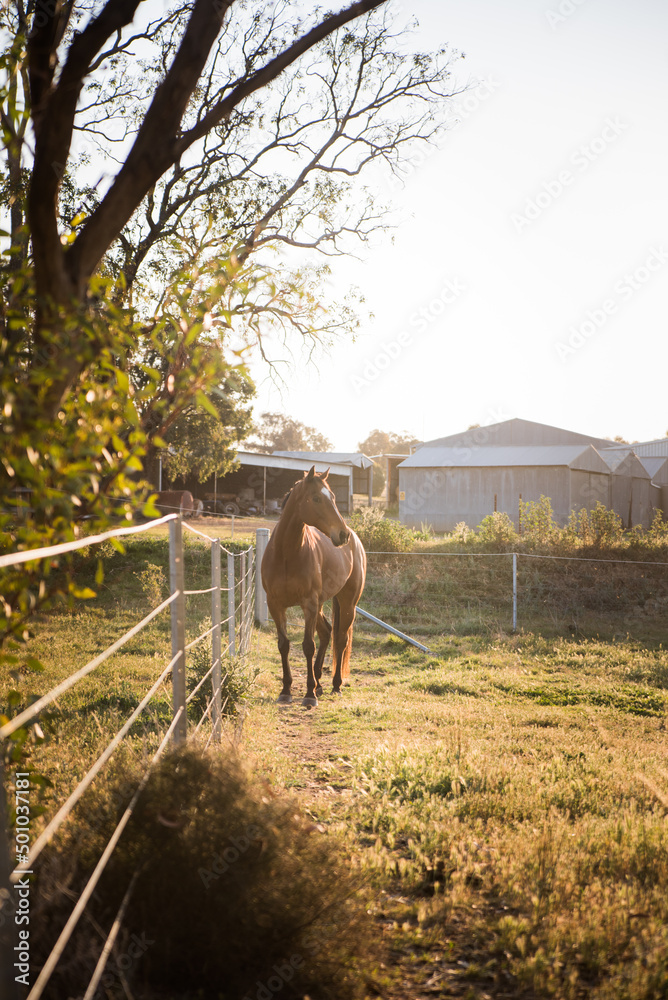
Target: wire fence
(468, 593)
(228, 637)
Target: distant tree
(387, 443)
(276, 432)
(619, 439)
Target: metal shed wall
(444, 497)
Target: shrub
(383, 534)
(537, 523)
(498, 531)
(238, 675)
(235, 888)
(599, 526)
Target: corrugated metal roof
(516, 433)
(625, 463)
(658, 448)
(571, 455)
(297, 464)
(357, 459)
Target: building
(260, 481)
(465, 477)
(362, 467)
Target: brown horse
(311, 556)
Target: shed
(516, 432)
(445, 485)
(629, 488)
(265, 479)
(362, 466)
(657, 467)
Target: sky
(528, 276)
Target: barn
(465, 477)
(362, 467)
(259, 482)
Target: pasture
(501, 801)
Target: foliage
(387, 443)
(127, 308)
(384, 534)
(238, 676)
(537, 523)
(278, 432)
(233, 872)
(598, 527)
(497, 531)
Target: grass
(504, 798)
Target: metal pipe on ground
(394, 631)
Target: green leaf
(203, 400)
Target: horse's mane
(286, 498)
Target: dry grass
(504, 798)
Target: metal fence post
(230, 605)
(251, 597)
(178, 617)
(514, 591)
(216, 676)
(261, 610)
(244, 601)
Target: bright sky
(529, 275)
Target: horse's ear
(324, 475)
(311, 474)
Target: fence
(230, 638)
(441, 593)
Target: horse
(310, 557)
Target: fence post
(244, 601)
(261, 610)
(514, 591)
(178, 617)
(251, 597)
(216, 676)
(230, 605)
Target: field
(502, 800)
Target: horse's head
(317, 506)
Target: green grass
(504, 797)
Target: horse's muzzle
(340, 537)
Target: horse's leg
(280, 620)
(324, 630)
(311, 612)
(344, 616)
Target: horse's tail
(338, 646)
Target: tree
(122, 299)
(276, 432)
(387, 443)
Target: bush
(497, 531)
(537, 523)
(599, 526)
(235, 888)
(383, 534)
(238, 676)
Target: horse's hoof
(310, 702)
(336, 691)
(318, 691)
(284, 699)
